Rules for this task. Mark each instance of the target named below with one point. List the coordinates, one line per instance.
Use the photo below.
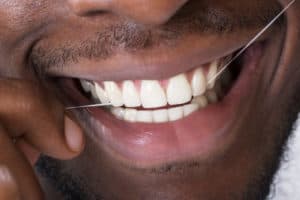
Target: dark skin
(34, 33)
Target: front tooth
(86, 86)
(101, 94)
(198, 82)
(152, 95)
(114, 93)
(175, 113)
(212, 72)
(160, 116)
(130, 115)
(144, 116)
(131, 98)
(179, 90)
(189, 109)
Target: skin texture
(40, 40)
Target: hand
(38, 122)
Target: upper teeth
(153, 93)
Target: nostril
(89, 7)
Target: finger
(35, 114)
(8, 186)
(19, 177)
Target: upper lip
(156, 64)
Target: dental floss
(216, 76)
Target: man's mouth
(186, 116)
(161, 101)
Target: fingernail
(74, 135)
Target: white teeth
(152, 95)
(201, 101)
(144, 116)
(179, 90)
(86, 86)
(114, 93)
(190, 108)
(118, 112)
(175, 113)
(160, 116)
(212, 71)
(130, 115)
(131, 97)
(101, 94)
(93, 92)
(198, 82)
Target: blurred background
(286, 185)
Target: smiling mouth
(161, 101)
(168, 120)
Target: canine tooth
(144, 116)
(175, 113)
(130, 115)
(152, 94)
(179, 90)
(212, 71)
(101, 94)
(114, 93)
(131, 98)
(118, 112)
(190, 108)
(86, 86)
(198, 82)
(160, 116)
(201, 101)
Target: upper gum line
(177, 90)
(164, 82)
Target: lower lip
(202, 134)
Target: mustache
(131, 37)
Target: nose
(143, 11)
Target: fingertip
(74, 135)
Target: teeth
(155, 116)
(131, 97)
(189, 109)
(118, 112)
(101, 94)
(212, 72)
(179, 90)
(86, 86)
(160, 116)
(201, 101)
(175, 113)
(114, 93)
(152, 95)
(212, 97)
(198, 82)
(144, 116)
(130, 115)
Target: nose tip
(142, 11)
